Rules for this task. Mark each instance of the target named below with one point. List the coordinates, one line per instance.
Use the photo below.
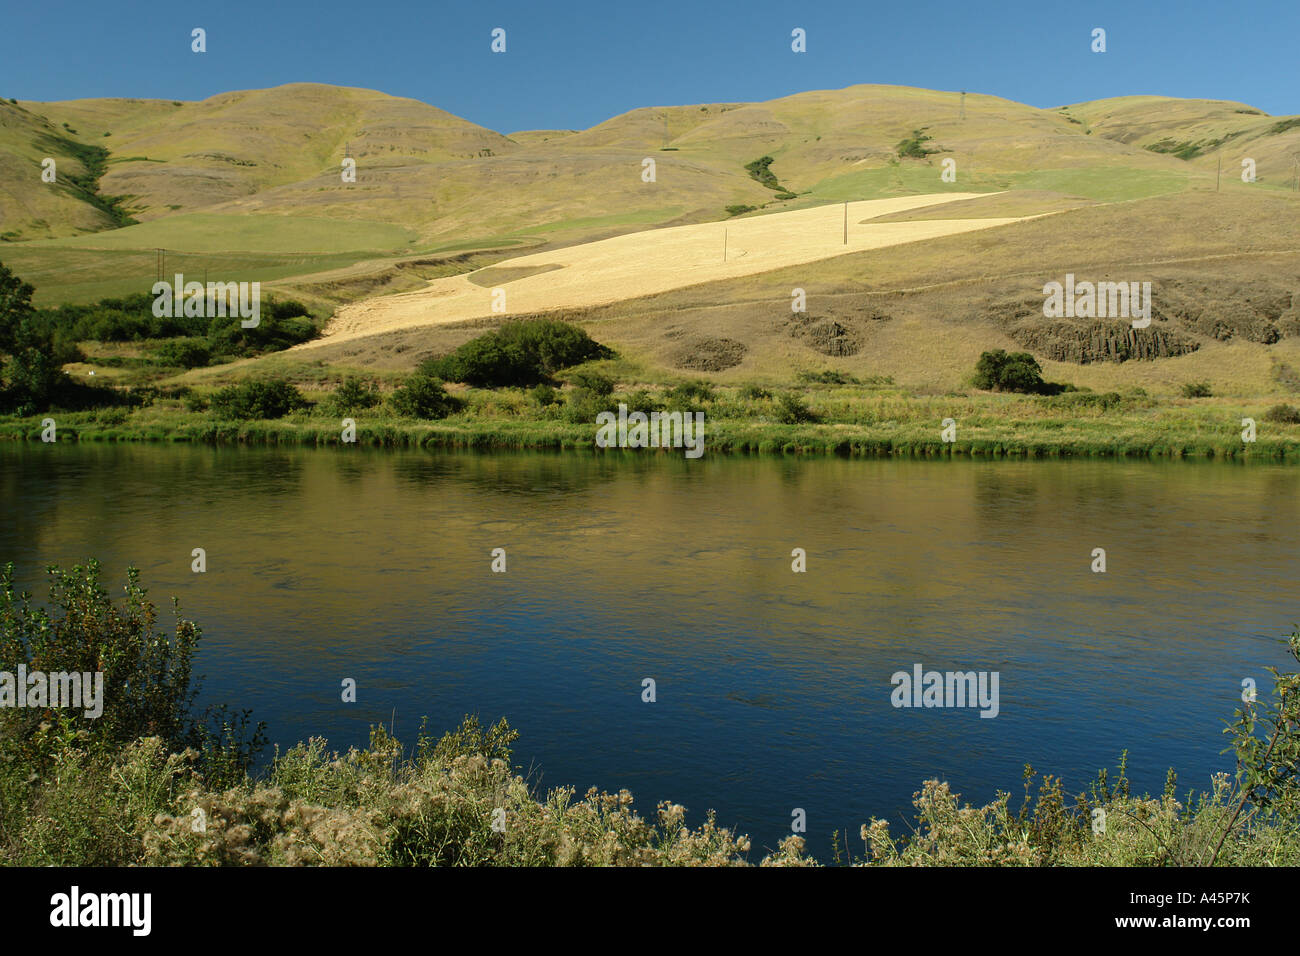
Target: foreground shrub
(1196, 390)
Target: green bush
(424, 397)
(282, 323)
(739, 209)
(275, 331)
(146, 674)
(521, 353)
(31, 356)
(147, 686)
(581, 405)
(1284, 414)
(1104, 401)
(793, 410)
(825, 377)
(186, 353)
(760, 169)
(595, 382)
(354, 395)
(642, 400)
(1196, 390)
(690, 393)
(273, 398)
(914, 146)
(1017, 372)
(544, 395)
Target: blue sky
(571, 65)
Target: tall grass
(812, 418)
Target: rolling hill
(247, 185)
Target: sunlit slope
(29, 207)
(647, 263)
(237, 145)
(258, 172)
(1224, 268)
(1201, 132)
(279, 151)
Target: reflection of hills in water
(376, 566)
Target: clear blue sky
(571, 65)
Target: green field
(212, 232)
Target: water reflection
(773, 687)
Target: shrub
(1104, 401)
(583, 405)
(187, 353)
(32, 356)
(276, 330)
(273, 398)
(914, 146)
(640, 401)
(147, 687)
(793, 410)
(753, 393)
(1196, 390)
(544, 395)
(760, 170)
(146, 674)
(739, 209)
(595, 382)
(1017, 372)
(354, 395)
(1285, 414)
(424, 397)
(691, 393)
(521, 353)
(826, 377)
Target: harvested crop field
(651, 262)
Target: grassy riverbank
(840, 419)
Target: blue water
(773, 688)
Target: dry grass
(648, 263)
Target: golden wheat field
(647, 263)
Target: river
(772, 688)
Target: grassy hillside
(31, 208)
(245, 185)
(256, 172)
(1204, 133)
